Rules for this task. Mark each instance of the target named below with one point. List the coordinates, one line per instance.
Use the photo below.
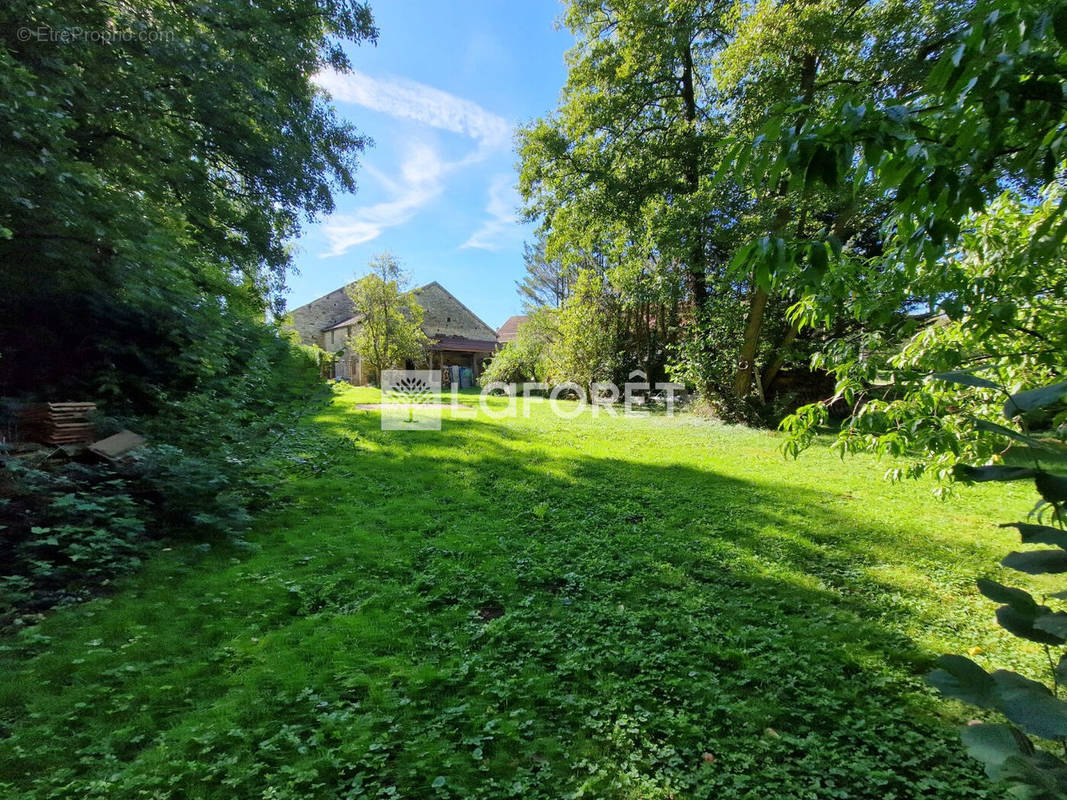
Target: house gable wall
(444, 315)
(310, 319)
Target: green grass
(530, 608)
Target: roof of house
(334, 294)
(352, 320)
(464, 345)
(344, 323)
(510, 328)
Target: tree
(586, 344)
(389, 330)
(547, 283)
(988, 264)
(636, 165)
(151, 183)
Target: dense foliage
(987, 265)
(70, 527)
(152, 181)
(635, 175)
(158, 158)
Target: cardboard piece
(117, 446)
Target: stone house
(458, 337)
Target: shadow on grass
(484, 612)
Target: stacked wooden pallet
(58, 423)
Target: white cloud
(503, 223)
(407, 99)
(421, 180)
(423, 173)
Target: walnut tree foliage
(1026, 751)
(157, 159)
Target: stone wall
(444, 315)
(310, 319)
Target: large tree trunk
(839, 228)
(757, 307)
(779, 360)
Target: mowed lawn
(530, 608)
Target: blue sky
(440, 95)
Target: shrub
(65, 533)
(69, 528)
(525, 358)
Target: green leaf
(1018, 599)
(438, 782)
(992, 427)
(819, 258)
(1037, 562)
(823, 166)
(1054, 623)
(994, 744)
(1038, 534)
(1061, 670)
(964, 379)
(1059, 24)
(1034, 398)
(961, 679)
(963, 472)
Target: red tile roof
(510, 328)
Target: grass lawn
(530, 608)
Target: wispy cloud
(503, 223)
(423, 172)
(408, 99)
(421, 180)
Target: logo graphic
(411, 400)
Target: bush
(69, 528)
(66, 532)
(525, 359)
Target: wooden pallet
(59, 423)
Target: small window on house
(448, 319)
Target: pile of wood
(58, 423)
